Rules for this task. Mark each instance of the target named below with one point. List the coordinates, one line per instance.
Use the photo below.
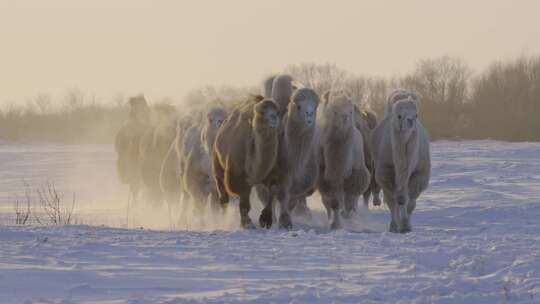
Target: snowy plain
(475, 239)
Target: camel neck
(263, 153)
(402, 149)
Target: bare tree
(505, 101)
(22, 214)
(53, 206)
(443, 86)
(74, 99)
(319, 77)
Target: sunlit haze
(165, 48)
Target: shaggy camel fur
(402, 159)
(245, 151)
(282, 90)
(127, 142)
(395, 96)
(154, 146)
(343, 176)
(295, 173)
(170, 179)
(197, 150)
(366, 121)
(267, 86)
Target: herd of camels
(285, 144)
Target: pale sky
(165, 48)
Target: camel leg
(301, 208)
(334, 202)
(327, 202)
(198, 205)
(394, 217)
(406, 212)
(284, 217)
(411, 206)
(214, 202)
(245, 206)
(404, 223)
(417, 183)
(219, 179)
(366, 196)
(375, 192)
(402, 200)
(267, 214)
(351, 202)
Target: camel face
(405, 116)
(340, 113)
(271, 117)
(216, 117)
(268, 111)
(303, 107)
(396, 96)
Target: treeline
(76, 119)
(502, 102)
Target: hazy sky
(164, 48)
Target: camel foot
(285, 221)
(246, 223)
(405, 230)
(266, 218)
(302, 211)
(376, 201)
(335, 225)
(406, 227)
(393, 227)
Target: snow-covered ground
(475, 239)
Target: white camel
(343, 172)
(402, 158)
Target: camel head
(339, 111)
(405, 116)
(139, 110)
(396, 96)
(216, 116)
(266, 115)
(214, 119)
(303, 107)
